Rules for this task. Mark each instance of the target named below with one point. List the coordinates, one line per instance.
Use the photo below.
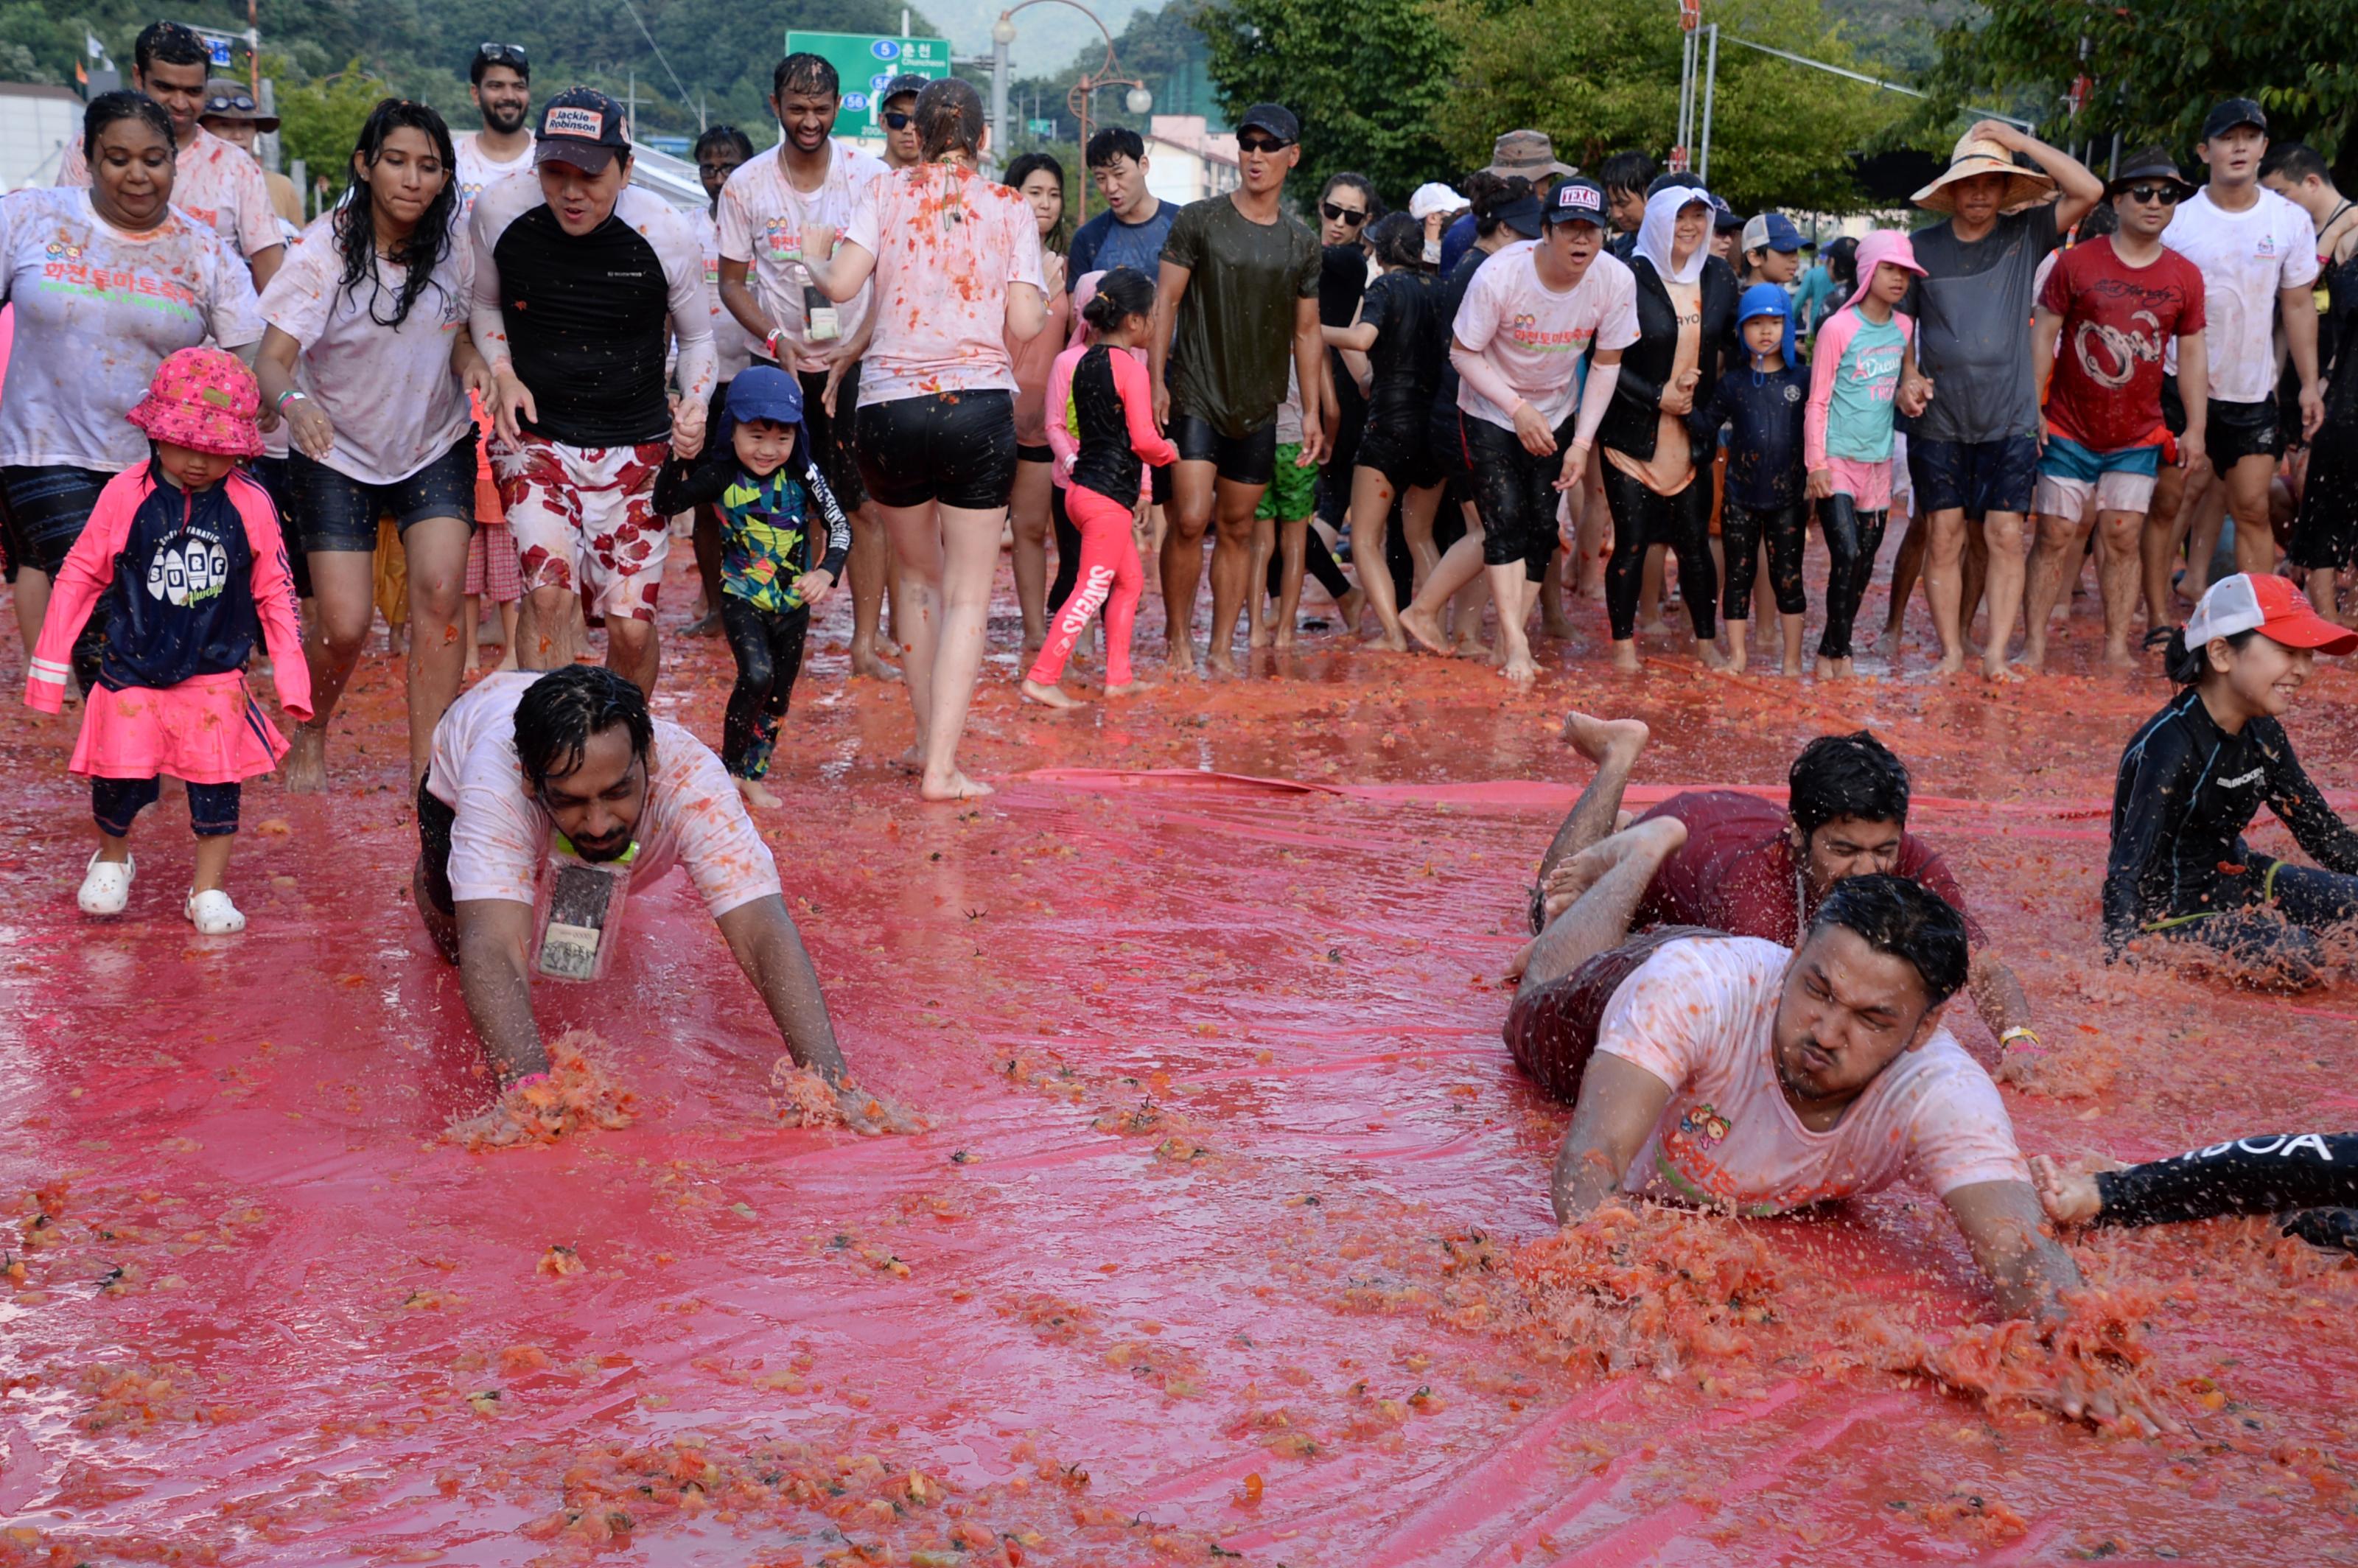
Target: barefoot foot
(757, 794)
(1426, 627)
(1048, 696)
(1599, 738)
(305, 769)
(952, 786)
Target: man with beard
(500, 85)
(563, 779)
(767, 203)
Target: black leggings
(2271, 913)
(1741, 531)
(2310, 1177)
(1853, 539)
(769, 648)
(1641, 520)
(212, 807)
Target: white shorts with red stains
(583, 519)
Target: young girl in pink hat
(183, 556)
(1846, 435)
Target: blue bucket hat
(1766, 299)
(765, 392)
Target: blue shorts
(1973, 476)
(2121, 479)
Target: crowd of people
(498, 352)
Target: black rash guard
(2186, 794)
(587, 320)
(2310, 1177)
(1403, 307)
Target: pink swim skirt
(206, 731)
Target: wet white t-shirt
(97, 311)
(694, 815)
(475, 170)
(734, 348)
(1535, 336)
(395, 400)
(218, 183)
(760, 223)
(2245, 258)
(948, 244)
(1698, 1015)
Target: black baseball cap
(902, 86)
(1723, 217)
(1274, 120)
(1579, 199)
(583, 127)
(2234, 112)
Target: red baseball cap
(2270, 605)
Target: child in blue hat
(762, 476)
(1766, 496)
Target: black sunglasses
(502, 54)
(898, 119)
(1262, 144)
(1355, 216)
(2167, 195)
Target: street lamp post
(1002, 34)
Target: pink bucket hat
(1883, 246)
(206, 400)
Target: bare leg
(2207, 511)
(32, 606)
(2117, 574)
(2060, 541)
(1462, 563)
(2164, 531)
(343, 586)
(632, 651)
(1371, 506)
(1553, 619)
(1292, 550)
(1598, 920)
(1466, 606)
(1234, 504)
(2247, 498)
(869, 567)
(1029, 509)
(1907, 570)
(1418, 508)
(1975, 579)
(211, 872)
(471, 613)
(1591, 536)
(508, 617)
(1511, 590)
(1189, 512)
(918, 567)
(1257, 619)
(437, 548)
(1944, 584)
(1613, 745)
(2324, 593)
(548, 627)
(2002, 540)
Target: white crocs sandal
(213, 915)
(106, 885)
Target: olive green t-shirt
(1235, 333)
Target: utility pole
(631, 113)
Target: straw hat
(1974, 155)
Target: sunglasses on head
(502, 54)
(1264, 144)
(898, 119)
(1352, 215)
(2164, 194)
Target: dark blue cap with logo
(1579, 199)
(583, 127)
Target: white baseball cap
(1435, 197)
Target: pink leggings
(1111, 576)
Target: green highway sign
(865, 62)
(1042, 127)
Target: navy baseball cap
(765, 392)
(1579, 199)
(1274, 121)
(902, 86)
(1773, 232)
(1521, 215)
(2232, 114)
(583, 127)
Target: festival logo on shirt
(782, 237)
(1524, 332)
(1705, 1125)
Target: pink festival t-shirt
(1699, 1015)
(1535, 336)
(948, 243)
(694, 815)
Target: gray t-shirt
(1973, 309)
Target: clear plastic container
(578, 914)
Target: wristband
(528, 1080)
(2019, 1031)
(290, 392)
